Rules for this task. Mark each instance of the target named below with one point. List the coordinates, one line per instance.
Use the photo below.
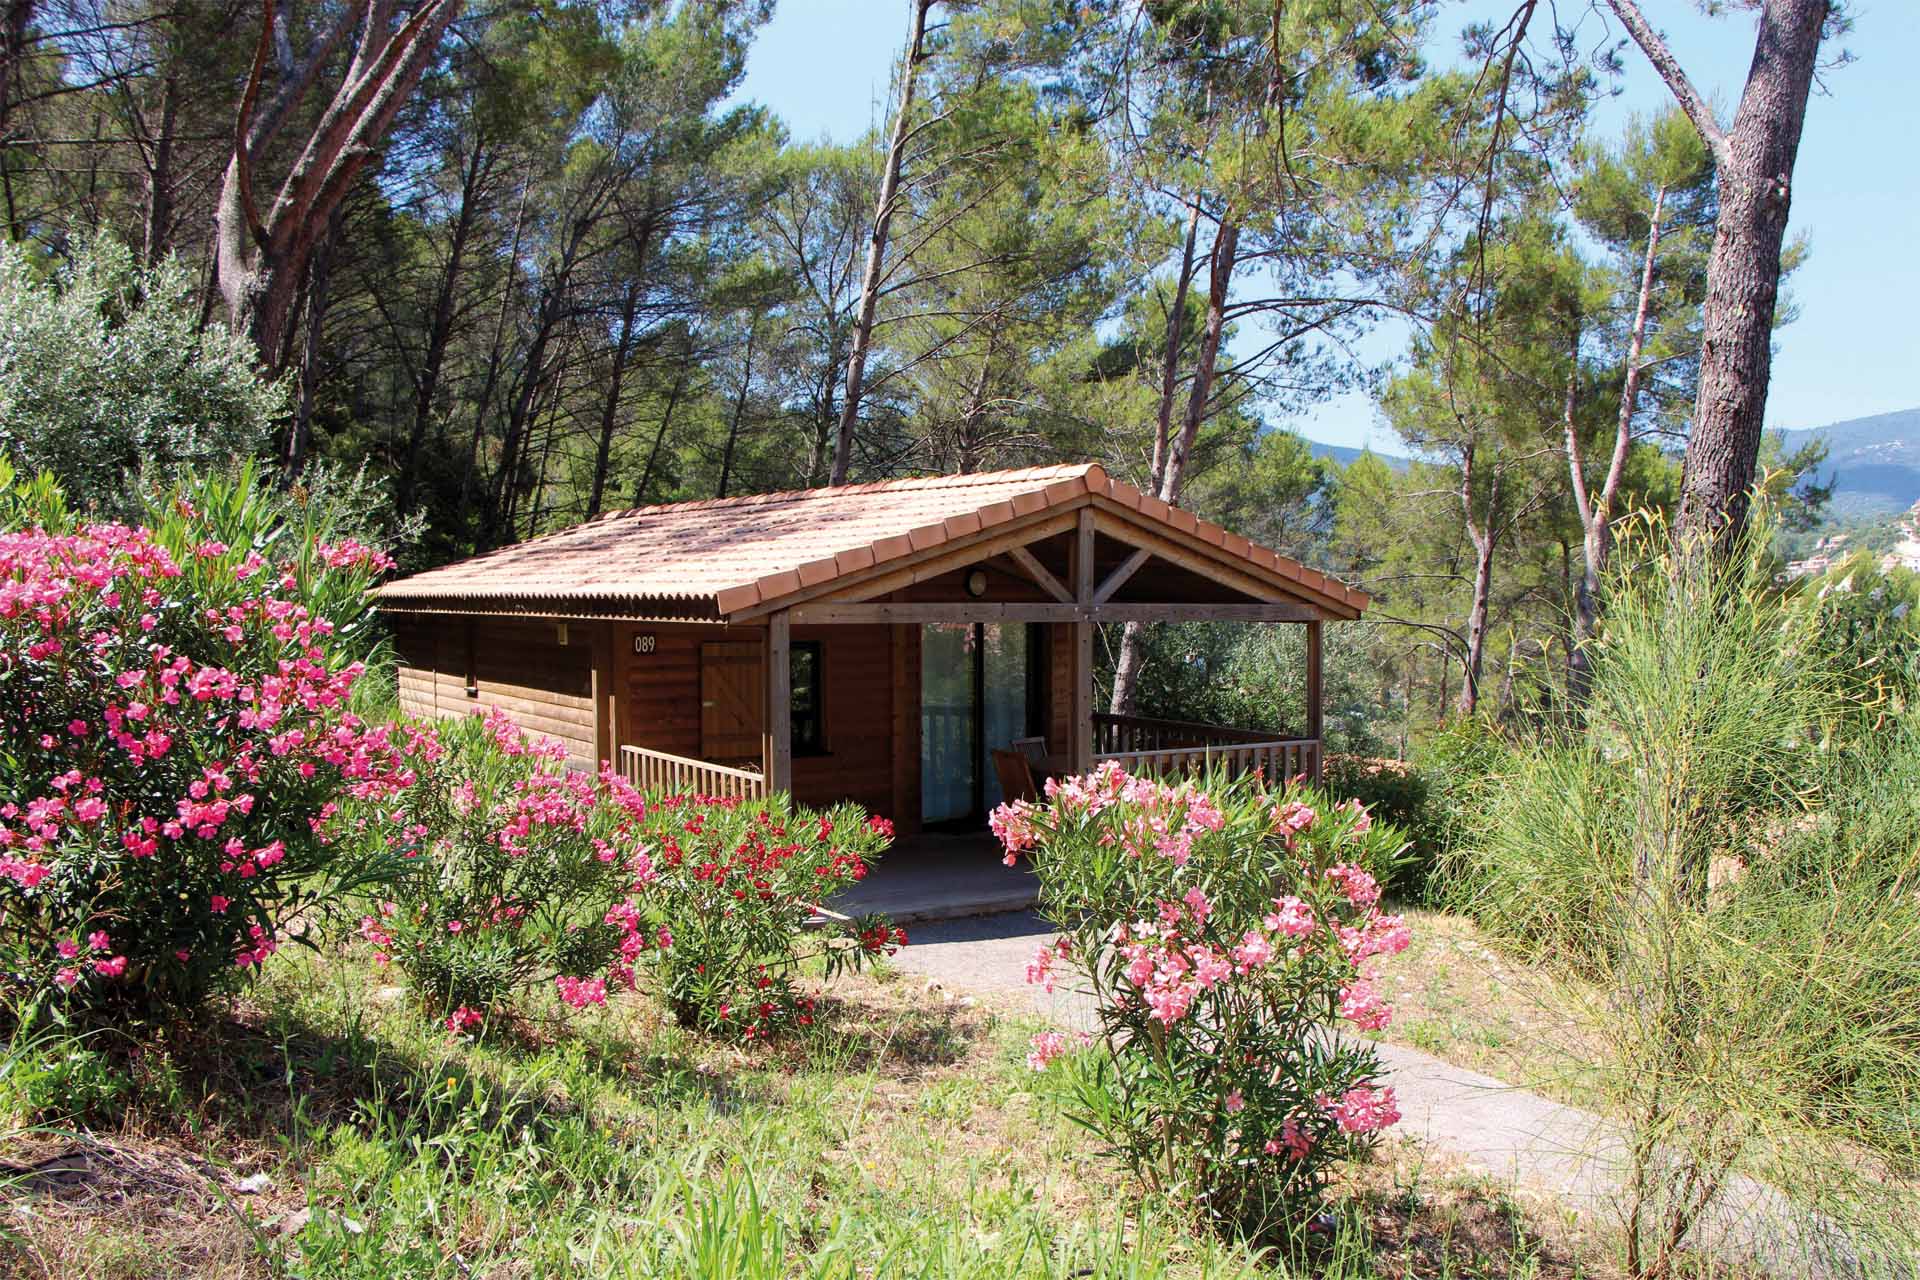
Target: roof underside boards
(736, 558)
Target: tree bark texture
(870, 280)
(261, 258)
(1596, 510)
(1754, 163)
(1170, 455)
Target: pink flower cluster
(351, 553)
(1187, 953)
(1044, 1048)
(179, 735)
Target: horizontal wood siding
(416, 645)
(520, 667)
(858, 682)
(662, 694)
(544, 686)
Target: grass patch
(325, 1129)
(1457, 998)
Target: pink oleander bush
(1225, 934)
(525, 875)
(175, 731)
(513, 862)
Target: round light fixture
(977, 583)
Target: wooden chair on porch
(1016, 776)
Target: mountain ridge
(1874, 462)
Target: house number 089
(643, 643)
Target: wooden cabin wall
(870, 738)
(1059, 648)
(520, 667)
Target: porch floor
(941, 876)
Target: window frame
(807, 727)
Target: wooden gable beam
(1038, 572)
(914, 567)
(1118, 578)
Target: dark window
(809, 699)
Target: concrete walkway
(935, 876)
(1510, 1134)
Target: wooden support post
(1316, 696)
(778, 751)
(606, 726)
(1080, 749)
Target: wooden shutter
(733, 686)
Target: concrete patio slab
(936, 876)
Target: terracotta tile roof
(729, 554)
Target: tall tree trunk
(1221, 263)
(1170, 462)
(660, 435)
(1596, 510)
(440, 328)
(877, 241)
(524, 410)
(15, 16)
(1754, 167)
(157, 227)
(1482, 538)
(1170, 358)
(610, 409)
(496, 356)
(739, 408)
(261, 259)
(319, 296)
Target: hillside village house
(872, 642)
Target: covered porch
(1140, 744)
(874, 643)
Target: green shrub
(1738, 885)
(1396, 793)
(61, 1079)
(735, 903)
(106, 375)
(524, 874)
(1223, 932)
(513, 863)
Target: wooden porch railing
(650, 770)
(1186, 747)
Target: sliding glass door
(977, 693)
(947, 722)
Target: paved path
(1508, 1133)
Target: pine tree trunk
(739, 408)
(157, 226)
(1596, 514)
(439, 331)
(1170, 456)
(877, 242)
(610, 407)
(1754, 165)
(1482, 539)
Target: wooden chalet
(872, 642)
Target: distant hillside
(1343, 455)
(1874, 462)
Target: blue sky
(823, 67)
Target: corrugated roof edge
(1062, 484)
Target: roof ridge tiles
(1050, 473)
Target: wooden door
(733, 685)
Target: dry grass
(1457, 999)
